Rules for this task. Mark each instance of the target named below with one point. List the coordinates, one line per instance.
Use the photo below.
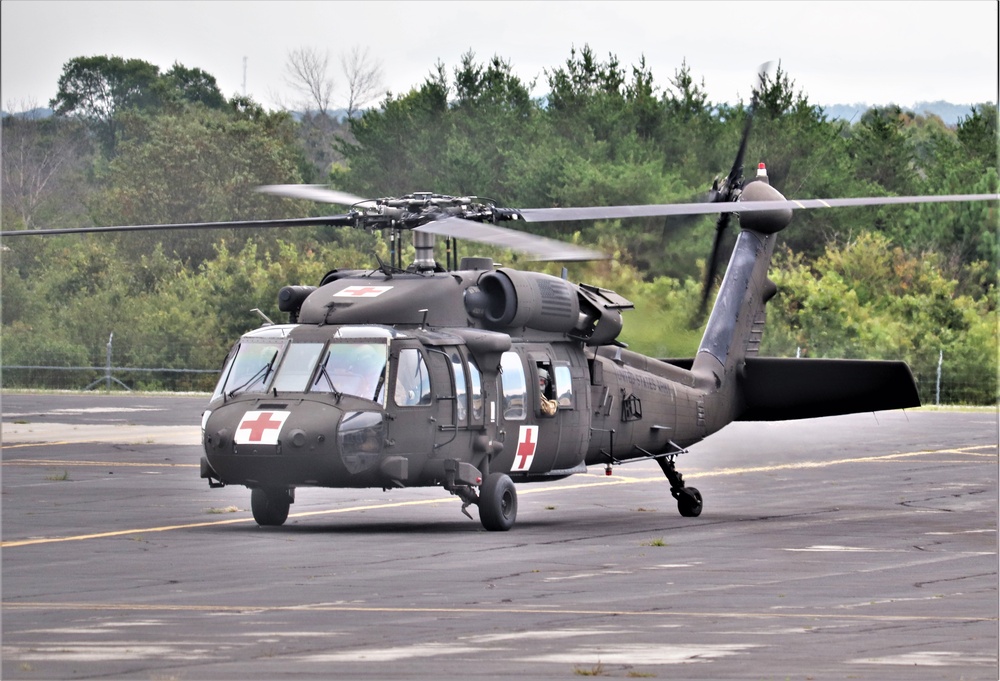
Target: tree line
(132, 145)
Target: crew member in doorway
(548, 405)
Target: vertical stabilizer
(736, 324)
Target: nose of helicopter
(305, 443)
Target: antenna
(244, 76)
(267, 321)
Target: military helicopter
(475, 377)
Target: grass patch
(654, 542)
(597, 670)
(58, 477)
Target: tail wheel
(497, 503)
(270, 507)
(689, 502)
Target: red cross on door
(527, 440)
(260, 427)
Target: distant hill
(951, 114)
(32, 114)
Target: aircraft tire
(269, 509)
(689, 502)
(497, 502)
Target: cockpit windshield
(297, 367)
(353, 368)
(342, 368)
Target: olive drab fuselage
(457, 399)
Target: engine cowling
(507, 298)
(528, 299)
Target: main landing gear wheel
(270, 508)
(688, 501)
(688, 498)
(497, 503)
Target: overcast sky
(836, 52)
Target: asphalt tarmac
(858, 547)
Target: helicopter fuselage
(371, 405)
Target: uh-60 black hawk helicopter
(474, 377)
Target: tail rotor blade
(712, 266)
(730, 190)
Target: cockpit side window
(250, 367)
(413, 382)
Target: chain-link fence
(120, 378)
(51, 371)
(942, 381)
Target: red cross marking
(258, 427)
(363, 291)
(525, 448)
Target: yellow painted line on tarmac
(615, 480)
(213, 523)
(327, 607)
(20, 445)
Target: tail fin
(736, 323)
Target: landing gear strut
(688, 498)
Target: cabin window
(461, 390)
(353, 369)
(514, 387)
(563, 388)
(413, 383)
(476, 388)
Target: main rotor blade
(540, 248)
(660, 210)
(312, 192)
(334, 220)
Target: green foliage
(97, 89)
(199, 165)
(868, 299)
(182, 85)
(880, 151)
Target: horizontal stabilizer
(779, 389)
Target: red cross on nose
(257, 428)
